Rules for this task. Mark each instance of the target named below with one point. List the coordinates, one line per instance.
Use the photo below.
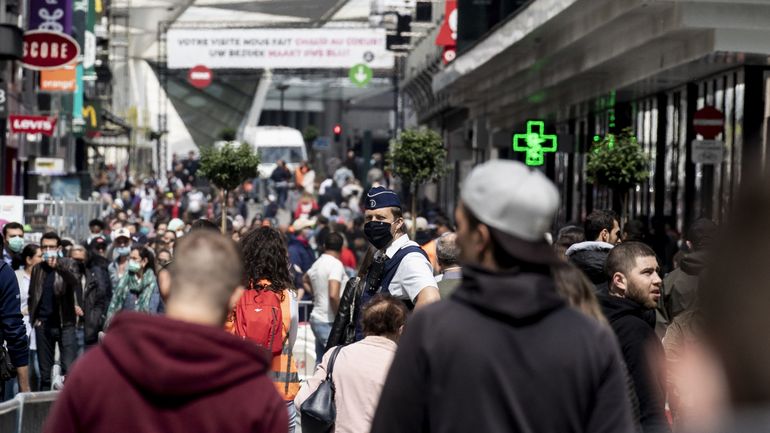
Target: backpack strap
(392, 264)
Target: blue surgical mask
(144, 230)
(134, 267)
(48, 255)
(16, 244)
(122, 251)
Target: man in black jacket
(602, 232)
(54, 299)
(635, 288)
(96, 293)
(504, 353)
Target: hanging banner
(58, 80)
(52, 15)
(89, 49)
(278, 48)
(78, 124)
(22, 124)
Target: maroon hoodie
(155, 374)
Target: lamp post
(282, 88)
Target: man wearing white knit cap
(504, 353)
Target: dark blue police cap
(380, 197)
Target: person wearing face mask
(137, 290)
(96, 293)
(301, 255)
(13, 233)
(121, 248)
(54, 298)
(400, 267)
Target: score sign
(200, 77)
(709, 122)
(48, 50)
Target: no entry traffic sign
(200, 76)
(709, 122)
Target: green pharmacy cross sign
(535, 143)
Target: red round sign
(709, 122)
(200, 76)
(48, 50)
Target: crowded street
(353, 216)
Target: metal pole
(282, 88)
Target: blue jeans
(12, 385)
(321, 330)
(283, 194)
(292, 412)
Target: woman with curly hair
(266, 263)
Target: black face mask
(378, 233)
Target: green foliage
(227, 134)
(230, 165)
(618, 162)
(310, 133)
(418, 156)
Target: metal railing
(67, 218)
(26, 413)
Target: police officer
(400, 267)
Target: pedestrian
(442, 226)
(138, 289)
(360, 369)
(121, 248)
(13, 233)
(634, 291)
(178, 373)
(505, 353)
(54, 298)
(281, 176)
(400, 267)
(325, 281)
(567, 237)
(13, 334)
(97, 291)
(301, 255)
(168, 240)
(572, 284)
(448, 256)
(602, 233)
(680, 286)
(267, 273)
(96, 229)
(30, 256)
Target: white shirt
(326, 268)
(23, 279)
(413, 274)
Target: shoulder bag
(319, 412)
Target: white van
(274, 143)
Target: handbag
(344, 327)
(7, 370)
(319, 412)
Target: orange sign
(58, 80)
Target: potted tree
(418, 156)
(227, 167)
(618, 162)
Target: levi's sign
(48, 50)
(32, 124)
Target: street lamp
(282, 88)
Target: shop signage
(51, 15)
(58, 80)
(23, 124)
(200, 77)
(709, 152)
(48, 167)
(277, 48)
(447, 36)
(535, 143)
(3, 99)
(12, 208)
(360, 75)
(48, 50)
(709, 122)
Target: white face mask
(179, 234)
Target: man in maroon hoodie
(180, 373)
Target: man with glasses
(54, 299)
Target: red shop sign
(32, 124)
(48, 50)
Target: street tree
(618, 162)
(418, 156)
(227, 167)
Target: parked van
(274, 143)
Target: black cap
(96, 222)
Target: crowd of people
(491, 323)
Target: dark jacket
(12, 330)
(66, 290)
(644, 356)
(300, 253)
(591, 257)
(171, 376)
(504, 354)
(681, 285)
(96, 298)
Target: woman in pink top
(361, 368)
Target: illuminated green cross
(532, 142)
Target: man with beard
(634, 291)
